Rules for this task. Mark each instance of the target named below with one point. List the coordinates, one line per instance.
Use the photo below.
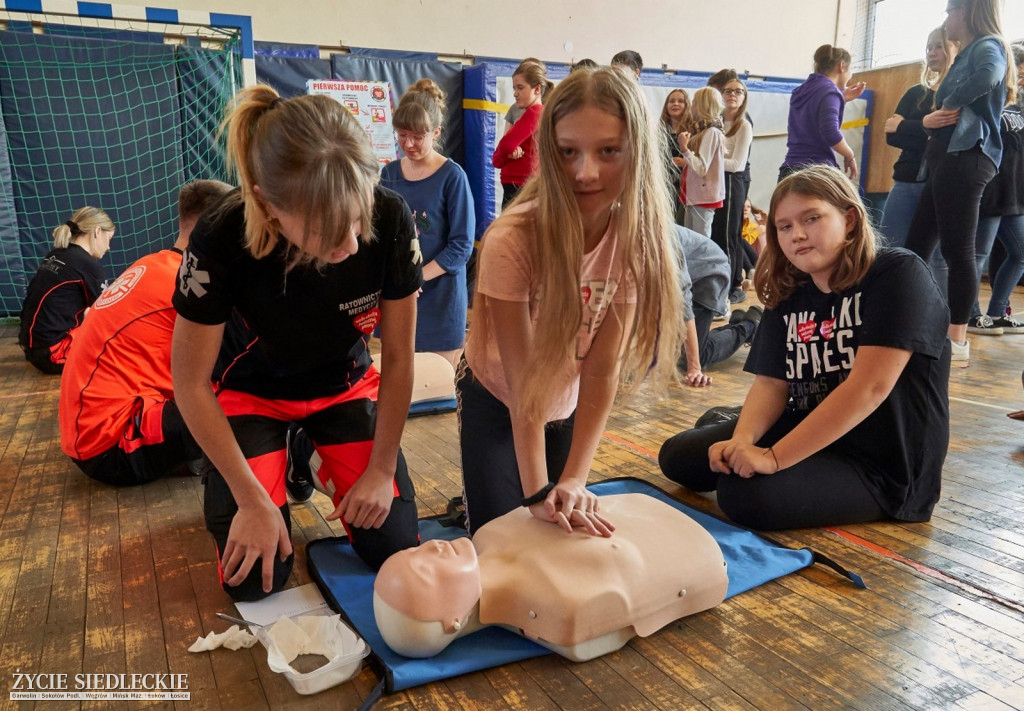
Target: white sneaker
(960, 351)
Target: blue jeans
(1010, 230)
(699, 219)
(897, 213)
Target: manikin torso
(577, 594)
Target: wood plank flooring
(101, 580)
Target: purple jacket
(815, 115)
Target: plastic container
(314, 634)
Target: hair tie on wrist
(539, 496)
(772, 452)
(73, 227)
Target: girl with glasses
(437, 191)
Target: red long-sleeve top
(516, 172)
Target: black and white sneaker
(298, 477)
(1008, 324)
(985, 325)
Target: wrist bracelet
(540, 495)
(772, 452)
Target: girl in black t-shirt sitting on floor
(313, 256)
(847, 419)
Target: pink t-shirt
(507, 272)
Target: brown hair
(827, 58)
(421, 108)
(775, 277)
(198, 196)
(741, 113)
(309, 156)
(585, 63)
(535, 74)
(685, 121)
(629, 58)
(722, 77)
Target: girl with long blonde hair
(704, 154)
(905, 130)
(577, 293)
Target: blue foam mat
(347, 584)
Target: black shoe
(737, 315)
(298, 478)
(719, 413)
(753, 315)
(738, 296)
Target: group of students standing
(708, 144)
(578, 296)
(957, 183)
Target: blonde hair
(421, 108)
(685, 120)
(983, 19)
(775, 277)
(85, 220)
(930, 80)
(647, 245)
(309, 156)
(707, 113)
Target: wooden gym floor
(96, 579)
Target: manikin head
(424, 596)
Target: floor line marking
(981, 404)
(875, 548)
(37, 392)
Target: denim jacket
(976, 84)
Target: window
(895, 31)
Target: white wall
(776, 38)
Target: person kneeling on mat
(313, 255)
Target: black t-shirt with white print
(810, 341)
(312, 326)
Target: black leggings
(947, 214)
(490, 473)
(508, 193)
(727, 226)
(825, 489)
